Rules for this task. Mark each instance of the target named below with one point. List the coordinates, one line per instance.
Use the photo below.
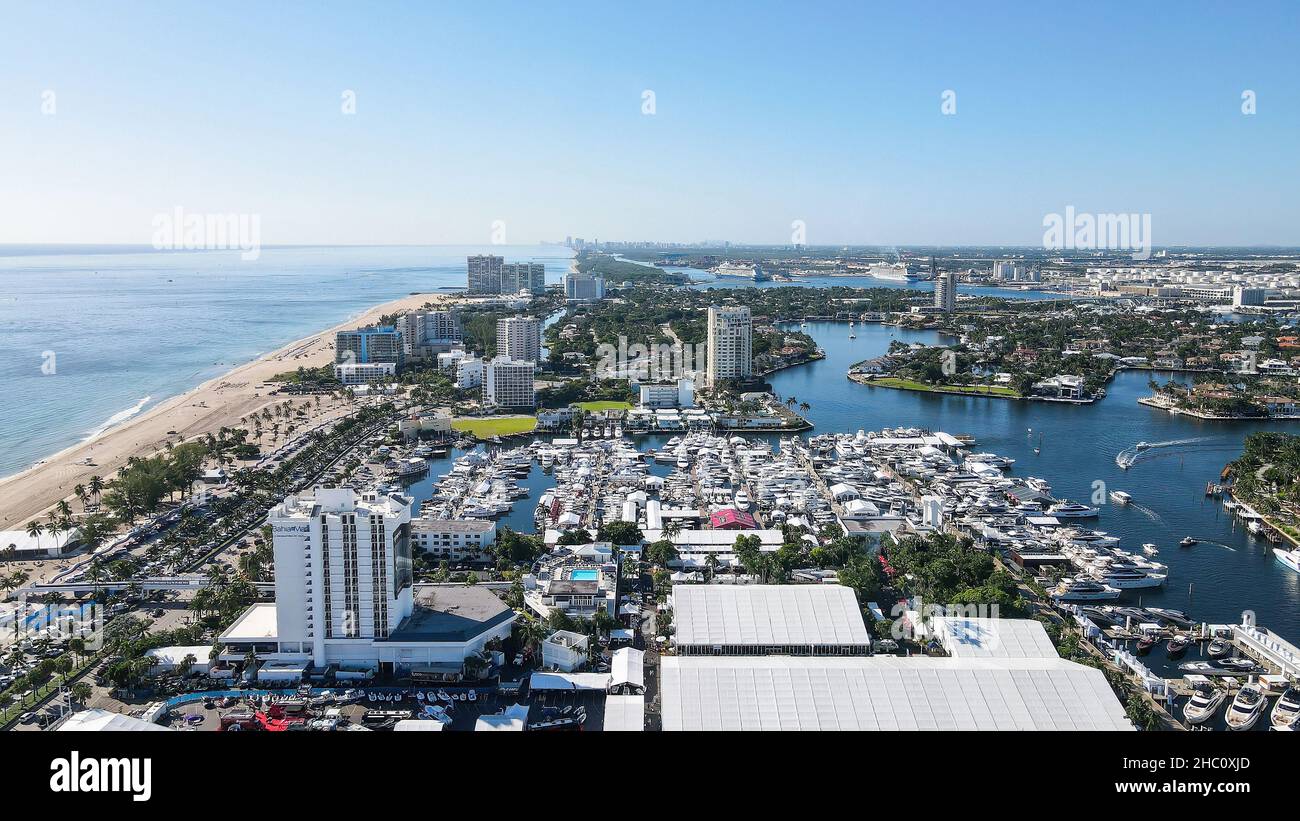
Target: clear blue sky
(766, 113)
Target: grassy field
(977, 390)
(488, 427)
(595, 407)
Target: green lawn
(487, 427)
(596, 407)
(912, 385)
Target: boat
(1238, 664)
(742, 270)
(1084, 590)
(1150, 549)
(897, 272)
(1176, 646)
(1286, 712)
(1204, 703)
(742, 500)
(1072, 510)
(1145, 644)
(1175, 617)
(853, 336)
(1246, 708)
(1290, 558)
(1141, 446)
(1187, 541)
(1130, 579)
(1120, 497)
(1219, 648)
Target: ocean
(95, 335)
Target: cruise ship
(898, 272)
(740, 269)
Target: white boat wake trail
(1128, 456)
(118, 418)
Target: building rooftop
(96, 720)
(451, 613)
(258, 623)
(454, 525)
(764, 615)
(993, 638)
(885, 693)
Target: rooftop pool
(584, 575)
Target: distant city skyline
(947, 125)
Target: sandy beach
(218, 403)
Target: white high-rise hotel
(730, 344)
(343, 575)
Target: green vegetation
(1267, 477)
(489, 426)
(618, 272)
(946, 570)
(912, 385)
(604, 405)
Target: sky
(529, 120)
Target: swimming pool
(584, 575)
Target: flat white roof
(21, 542)
(569, 681)
(885, 693)
(822, 614)
(258, 623)
(624, 714)
(96, 720)
(993, 638)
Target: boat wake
(118, 418)
(1129, 456)
(1148, 512)
(1218, 544)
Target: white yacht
(1286, 712)
(1072, 510)
(1290, 558)
(1120, 497)
(1204, 703)
(1150, 549)
(1126, 579)
(742, 500)
(1084, 590)
(991, 459)
(1246, 708)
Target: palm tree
(96, 486)
(81, 691)
(35, 529)
(79, 491)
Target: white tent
(628, 668)
(842, 491)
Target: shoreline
(216, 403)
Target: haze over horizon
(529, 123)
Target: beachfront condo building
(730, 344)
(529, 277)
(580, 287)
(519, 338)
(426, 334)
(368, 345)
(508, 384)
(363, 373)
(484, 274)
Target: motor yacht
(1072, 510)
(1286, 712)
(1246, 708)
(1204, 703)
(1084, 590)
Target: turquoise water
(584, 575)
(129, 328)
